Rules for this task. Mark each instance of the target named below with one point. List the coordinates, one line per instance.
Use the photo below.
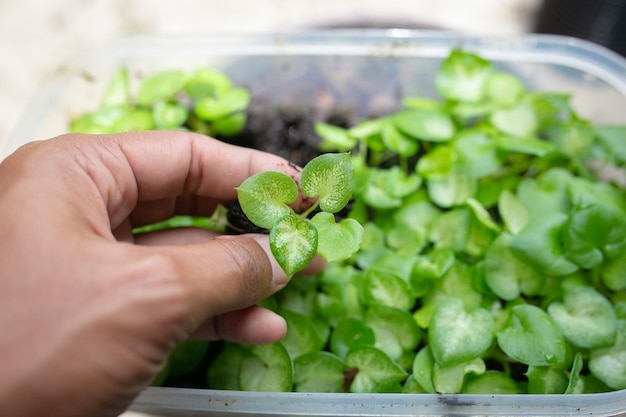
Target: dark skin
(89, 311)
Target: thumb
(225, 274)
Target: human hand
(88, 311)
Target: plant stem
(308, 211)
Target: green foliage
(205, 101)
(482, 254)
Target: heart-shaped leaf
(264, 197)
(449, 379)
(376, 372)
(293, 242)
(463, 76)
(330, 177)
(585, 317)
(350, 333)
(319, 372)
(224, 369)
(506, 274)
(396, 331)
(609, 364)
(384, 288)
(302, 336)
(337, 241)
(532, 337)
(267, 368)
(427, 124)
(457, 335)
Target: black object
(599, 21)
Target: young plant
(294, 239)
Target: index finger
(166, 165)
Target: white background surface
(36, 36)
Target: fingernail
(279, 278)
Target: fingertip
(253, 325)
(279, 277)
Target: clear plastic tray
(369, 67)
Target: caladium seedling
(294, 239)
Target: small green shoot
(294, 239)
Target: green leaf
(532, 338)
(539, 244)
(117, 92)
(268, 368)
(614, 138)
(574, 377)
(423, 365)
(432, 265)
(438, 163)
(376, 372)
(453, 190)
(458, 335)
(525, 145)
(609, 364)
(293, 242)
(519, 121)
(169, 115)
(223, 372)
(506, 274)
(612, 273)
(546, 380)
(319, 372)
(585, 317)
(330, 177)
(450, 379)
(504, 89)
(161, 86)
(398, 142)
(513, 213)
(350, 333)
(207, 82)
(546, 195)
(383, 288)
(334, 138)
(477, 154)
(230, 125)
(302, 336)
(462, 76)
(134, 120)
(396, 331)
(491, 382)
(337, 241)
(592, 230)
(264, 197)
(430, 125)
(214, 108)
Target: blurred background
(36, 36)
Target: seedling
(294, 239)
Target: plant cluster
(492, 257)
(294, 239)
(204, 101)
